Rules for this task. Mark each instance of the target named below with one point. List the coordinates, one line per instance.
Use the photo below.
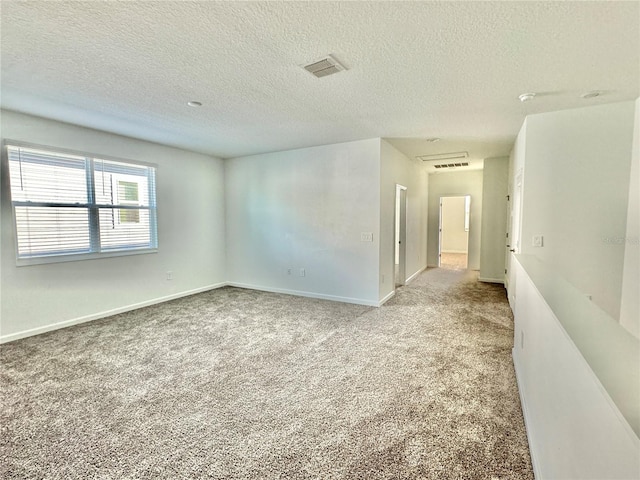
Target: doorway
(513, 236)
(455, 213)
(400, 270)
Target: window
(128, 195)
(69, 205)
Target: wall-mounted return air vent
(452, 165)
(444, 156)
(325, 66)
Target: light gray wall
(630, 302)
(454, 184)
(575, 430)
(575, 194)
(454, 236)
(396, 168)
(576, 166)
(494, 219)
(306, 208)
(191, 231)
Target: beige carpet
(456, 261)
(238, 384)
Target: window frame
(94, 208)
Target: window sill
(25, 262)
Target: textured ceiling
(415, 70)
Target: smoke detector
(324, 67)
(444, 156)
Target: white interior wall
(306, 209)
(575, 429)
(455, 238)
(454, 184)
(494, 219)
(576, 195)
(577, 368)
(630, 301)
(191, 231)
(396, 168)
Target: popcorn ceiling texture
(242, 384)
(415, 69)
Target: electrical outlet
(366, 237)
(169, 275)
(537, 241)
(303, 272)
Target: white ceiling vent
(325, 66)
(444, 156)
(452, 165)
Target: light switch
(537, 241)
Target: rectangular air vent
(323, 67)
(452, 165)
(443, 156)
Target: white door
(440, 234)
(401, 235)
(513, 244)
(507, 253)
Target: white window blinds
(69, 204)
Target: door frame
(465, 195)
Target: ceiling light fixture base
(525, 97)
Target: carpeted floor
(453, 260)
(238, 384)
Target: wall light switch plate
(537, 241)
(366, 237)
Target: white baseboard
(388, 297)
(415, 275)
(107, 313)
(491, 280)
(300, 293)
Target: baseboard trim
(388, 297)
(302, 293)
(107, 313)
(415, 275)
(491, 280)
(526, 417)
